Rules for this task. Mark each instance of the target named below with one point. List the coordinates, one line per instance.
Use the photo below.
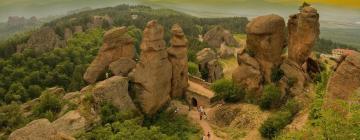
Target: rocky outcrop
(209, 66)
(152, 75)
(100, 21)
(218, 35)
(226, 51)
(247, 74)
(178, 58)
(39, 130)
(68, 34)
(304, 30)
(71, 123)
(266, 39)
(122, 67)
(78, 29)
(43, 40)
(115, 91)
(346, 78)
(296, 73)
(117, 44)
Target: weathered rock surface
(304, 30)
(78, 29)
(225, 51)
(346, 78)
(68, 34)
(115, 91)
(178, 58)
(122, 67)
(42, 41)
(209, 65)
(39, 130)
(152, 75)
(266, 38)
(71, 123)
(295, 72)
(247, 74)
(117, 44)
(218, 35)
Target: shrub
(49, 105)
(272, 126)
(227, 90)
(271, 96)
(276, 74)
(11, 117)
(193, 69)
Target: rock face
(43, 40)
(122, 66)
(71, 123)
(225, 51)
(218, 35)
(303, 33)
(38, 130)
(247, 74)
(152, 75)
(115, 91)
(117, 44)
(178, 58)
(294, 71)
(346, 78)
(266, 38)
(208, 65)
(68, 34)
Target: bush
(272, 126)
(110, 114)
(292, 106)
(276, 74)
(49, 105)
(11, 118)
(270, 98)
(227, 90)
(193, 69)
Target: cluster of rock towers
(266, 41)
(160, 74)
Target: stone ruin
(265, 44)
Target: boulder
(68, 34)
(218, 35)
(117, 44)
(152, 75)
(115, 91)
(266, 39)
(295, 72)
(304, 30)
(346, 79)
(72, 123)
(247, 74)
(208, 65)
(122, 67)
(225, 51)
(39, 130)
(78, 29)
(178, 58)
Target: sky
(334, 13)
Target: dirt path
(204, 124)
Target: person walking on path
(208, 135)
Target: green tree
(271, 97)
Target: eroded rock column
(178, 58)
(152, 75)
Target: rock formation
(209, 66)
(122, 66)
(178, 58)
(346, 78)
(39, 130)
(67, 34)
(226, 51)
(266, 39)
(78, 29)
(117, 45)
(42, 41)
(247, 74)
(304, 30)
(218, 35)
(115, 91)
(71, 123)
(152, 75)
